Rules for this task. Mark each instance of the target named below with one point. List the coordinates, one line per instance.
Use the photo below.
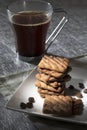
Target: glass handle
(58, 28)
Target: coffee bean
(29, 104)
(31, 99)
(71, 87)
(23, 105)
(81, 85)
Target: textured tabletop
(72, 41)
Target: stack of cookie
(52, 75)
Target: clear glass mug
(30, 20)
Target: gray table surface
(71, 42)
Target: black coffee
(31, 30)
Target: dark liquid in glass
(31, 30)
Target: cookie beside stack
(62, 105)
(52, 75)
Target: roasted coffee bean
(23, 105)
(31, 99)
(29, 104)
(81, 85)
(71, 87)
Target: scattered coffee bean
(85, 90)
(31, 99)
(29, 104)
(23, 105)
(81, 85)
(79, 95)
(71, 87)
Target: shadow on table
(45, 124)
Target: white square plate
(27, 89)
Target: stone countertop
(72, 41)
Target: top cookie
(54, 63)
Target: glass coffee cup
(30, 20)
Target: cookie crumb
(79, 95)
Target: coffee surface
(30, 29)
